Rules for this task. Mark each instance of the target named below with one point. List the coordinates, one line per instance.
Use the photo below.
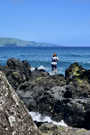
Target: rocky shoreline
(60, 97)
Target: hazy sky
(63, 22)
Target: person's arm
(57, 58)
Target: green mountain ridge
(14, 42)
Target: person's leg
(55, 69)
(52, 67)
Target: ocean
(38, 56)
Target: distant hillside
(13, 42)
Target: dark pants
(54, 67)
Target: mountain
(13, 42)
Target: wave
(3, 57)
(73, 55)
(79, 55)
(36, 116)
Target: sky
(62, 22)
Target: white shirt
(54, 60)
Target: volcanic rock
(59, 97)
(50, 129)
(16, 71)
(14, 117)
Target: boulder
(77, 72)
(38, 73)
(16, 71)
(20, 66)
(78, 82)
(14, 116)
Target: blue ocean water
(37, 56)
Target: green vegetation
(13, 42)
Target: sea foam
(36, 116)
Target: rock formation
(16, 71)
(60, 97)
(14, 117)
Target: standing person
(55, 59)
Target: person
(55, 59)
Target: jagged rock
(50, 129)
(78, 90)
(16, 71)
(74, 70)
(77, 72)
(78, 80)
(38, 73)
(41, 93)
(14, 117)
